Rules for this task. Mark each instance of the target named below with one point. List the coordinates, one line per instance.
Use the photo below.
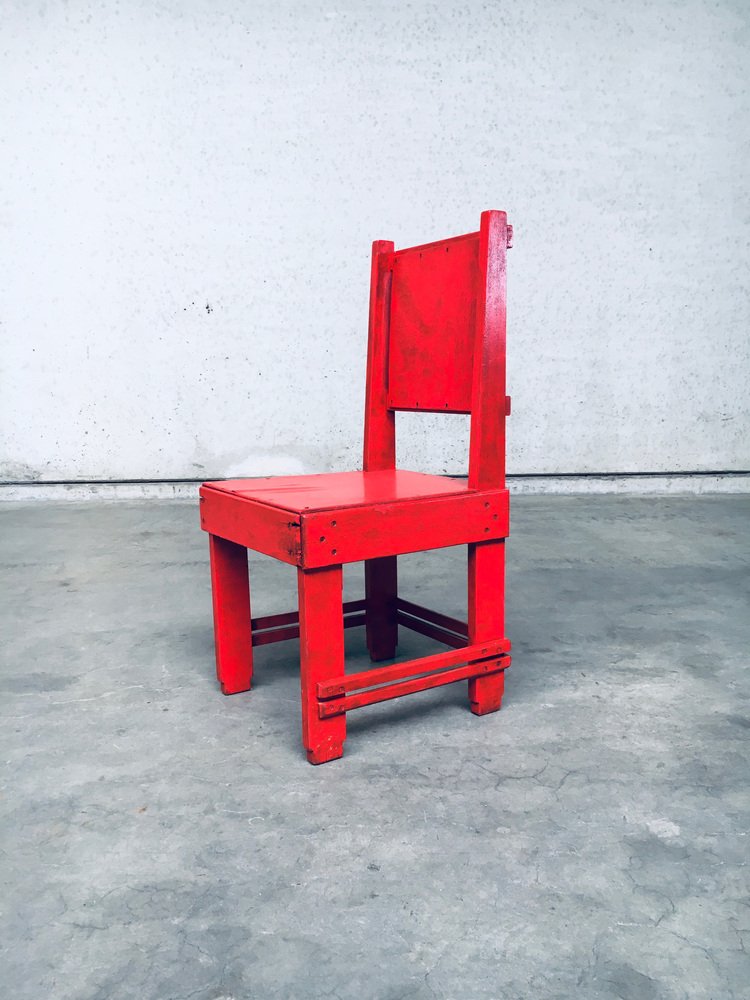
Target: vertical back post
(381, 575)
(380, 423)
(487, 442)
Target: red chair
(436, 344)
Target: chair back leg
(381, 591)
(486, 617)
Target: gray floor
(589, 841)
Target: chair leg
(381, 590)
(486, 617)
(230, 589)
(322, 657)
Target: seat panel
(333, 490)
(330, 535)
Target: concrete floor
(589, 841)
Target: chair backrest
(437, 342)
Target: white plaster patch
(663, 828)
(266, 464)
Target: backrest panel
(432, 329)
(437, 342)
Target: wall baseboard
(187, 490)
(632, 483)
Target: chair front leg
(321, 625)
(381, 591)
(230, 588)
(486, 617)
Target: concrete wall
(191, 189)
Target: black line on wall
(518, 475)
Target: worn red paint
(436, 343)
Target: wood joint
(337, 703)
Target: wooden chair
(436, 344)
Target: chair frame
(472, 295)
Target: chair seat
(336, 490)
(376, 514)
